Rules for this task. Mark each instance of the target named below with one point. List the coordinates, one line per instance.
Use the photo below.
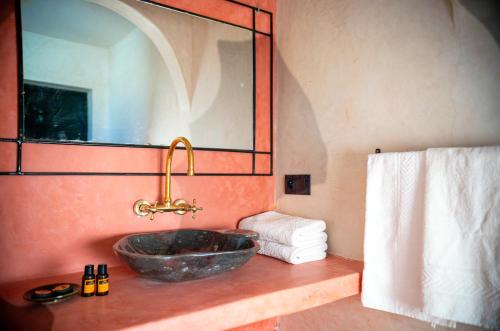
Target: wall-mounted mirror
(130, 72)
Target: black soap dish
(52, 293)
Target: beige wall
(355, 75)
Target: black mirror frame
(21, 139)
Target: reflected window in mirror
(56, 113)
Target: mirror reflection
(129, 72)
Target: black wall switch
(298, 184)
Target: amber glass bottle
(102, 280)
(88, 281)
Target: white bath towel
(432, 235)
(285, 229)
(461, 279)
(393, 235)
(294, 255)
(311, 240)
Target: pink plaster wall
(262, 118)
(8, 159)
(42, 158)
(8, 73)
(348, 315)
(262, 163)
(56, 224)
(263, 22)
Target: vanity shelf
(261, 289)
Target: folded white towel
(461, 270)
(285, 229)
(311, 239)
(290, 254)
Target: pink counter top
(261, 289)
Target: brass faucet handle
(194, 209)
(152, 211)
(142, 207)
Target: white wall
(58, 61)
(133, 99)
(142, 104)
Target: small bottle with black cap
(102, 280)
(88, 281)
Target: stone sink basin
(180, 255)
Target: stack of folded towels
(289, 238)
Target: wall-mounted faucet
(180, 207)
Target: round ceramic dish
(29, 295)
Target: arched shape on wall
(159, 40)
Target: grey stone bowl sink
(180, 255)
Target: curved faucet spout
(168, 166)
(180, 206)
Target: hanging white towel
(432, 235)
(393, 235)
(294, 255)
(461, 279)
(285, 229)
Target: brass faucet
(180, 207)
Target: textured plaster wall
(356, 75)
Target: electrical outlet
(298, 184)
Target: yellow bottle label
(103, 285)
(88, 286)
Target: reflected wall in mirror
(129, 72)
